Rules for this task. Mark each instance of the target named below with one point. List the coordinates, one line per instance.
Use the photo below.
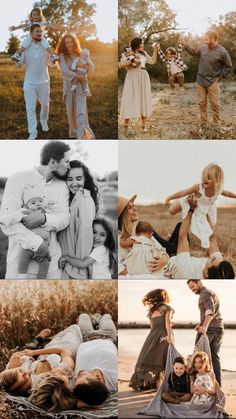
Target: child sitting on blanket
(36, 17)
(145, 248)
(202, 379)
(206, 193)
(76, 66)
(33, 200)
(174, 64)
(179, 383)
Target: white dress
(136, 97)
(204, 380)
(199, 224)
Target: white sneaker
(44, 126)
(33, 135)
(55, 57)
(16, 57)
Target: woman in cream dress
(136, 99)
(76, 99)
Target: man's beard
(58, 176)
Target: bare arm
(14, 28)
(228, 194)
(183, 243)
(181, 194)
(213, 243)
(79, 263)
(126, 242)
(64, 354)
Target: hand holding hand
(202, 329)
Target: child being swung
(206, 193)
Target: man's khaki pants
(213, 92)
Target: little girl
(202, 379)
(36, 16)
(144, 249)
(101, 259)
(206, 194)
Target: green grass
(102, 105)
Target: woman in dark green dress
(152, 358)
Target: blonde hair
(50, 393)
(204, 357)
(39, 10)
(126, 225)
(8, 379)
(217, 174)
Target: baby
(130, 56)
(83, 59)
(179, 383)
(144, 249)
(174, 64)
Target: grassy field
(177, 116)
(29, 306)
(102, 105)
(108, 210)
(164, 224)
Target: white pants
(32, 93)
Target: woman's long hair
(88, 183)
(50, 393)
(61, 49)
(125, 224)
(154, 299)
(135, 44)
(204, 357)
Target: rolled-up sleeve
(208, 304)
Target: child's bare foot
(45, 333)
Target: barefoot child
(101, 259)
(174, 64)
(179, 383)
(206, 193)
(36, 16)
(202, 379)
(144, 249)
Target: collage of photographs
(117, 209)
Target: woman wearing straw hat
(127, 220)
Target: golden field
(102, 105)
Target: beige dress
(136, 97)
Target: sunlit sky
(155, 169)
(21, 155)
(183, 300)
(14, 11)
(193, 16)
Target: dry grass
(27, 307)
(102, 106)
(177, 116)
(164, 223)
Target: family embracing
(75, 63)
(51, 217)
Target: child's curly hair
(204, 358)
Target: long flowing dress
(152, 358)
(76, 102)
(137, 97)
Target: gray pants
(70, 338)
(106, 326)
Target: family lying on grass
(143, 252)
(76, 369)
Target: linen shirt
(100, 268)
(36, 58)
(209, 304)
(214, 63)
(56, 196)
(99, 354)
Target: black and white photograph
(58, 209)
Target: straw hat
(123, 202)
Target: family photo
(176, 210)
(177, 70)
(58, 214)
(58, 68)
(176, 349)
(54, 366)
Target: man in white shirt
(185, 266)
(54, 164)
(37, 81)
(96, 368)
